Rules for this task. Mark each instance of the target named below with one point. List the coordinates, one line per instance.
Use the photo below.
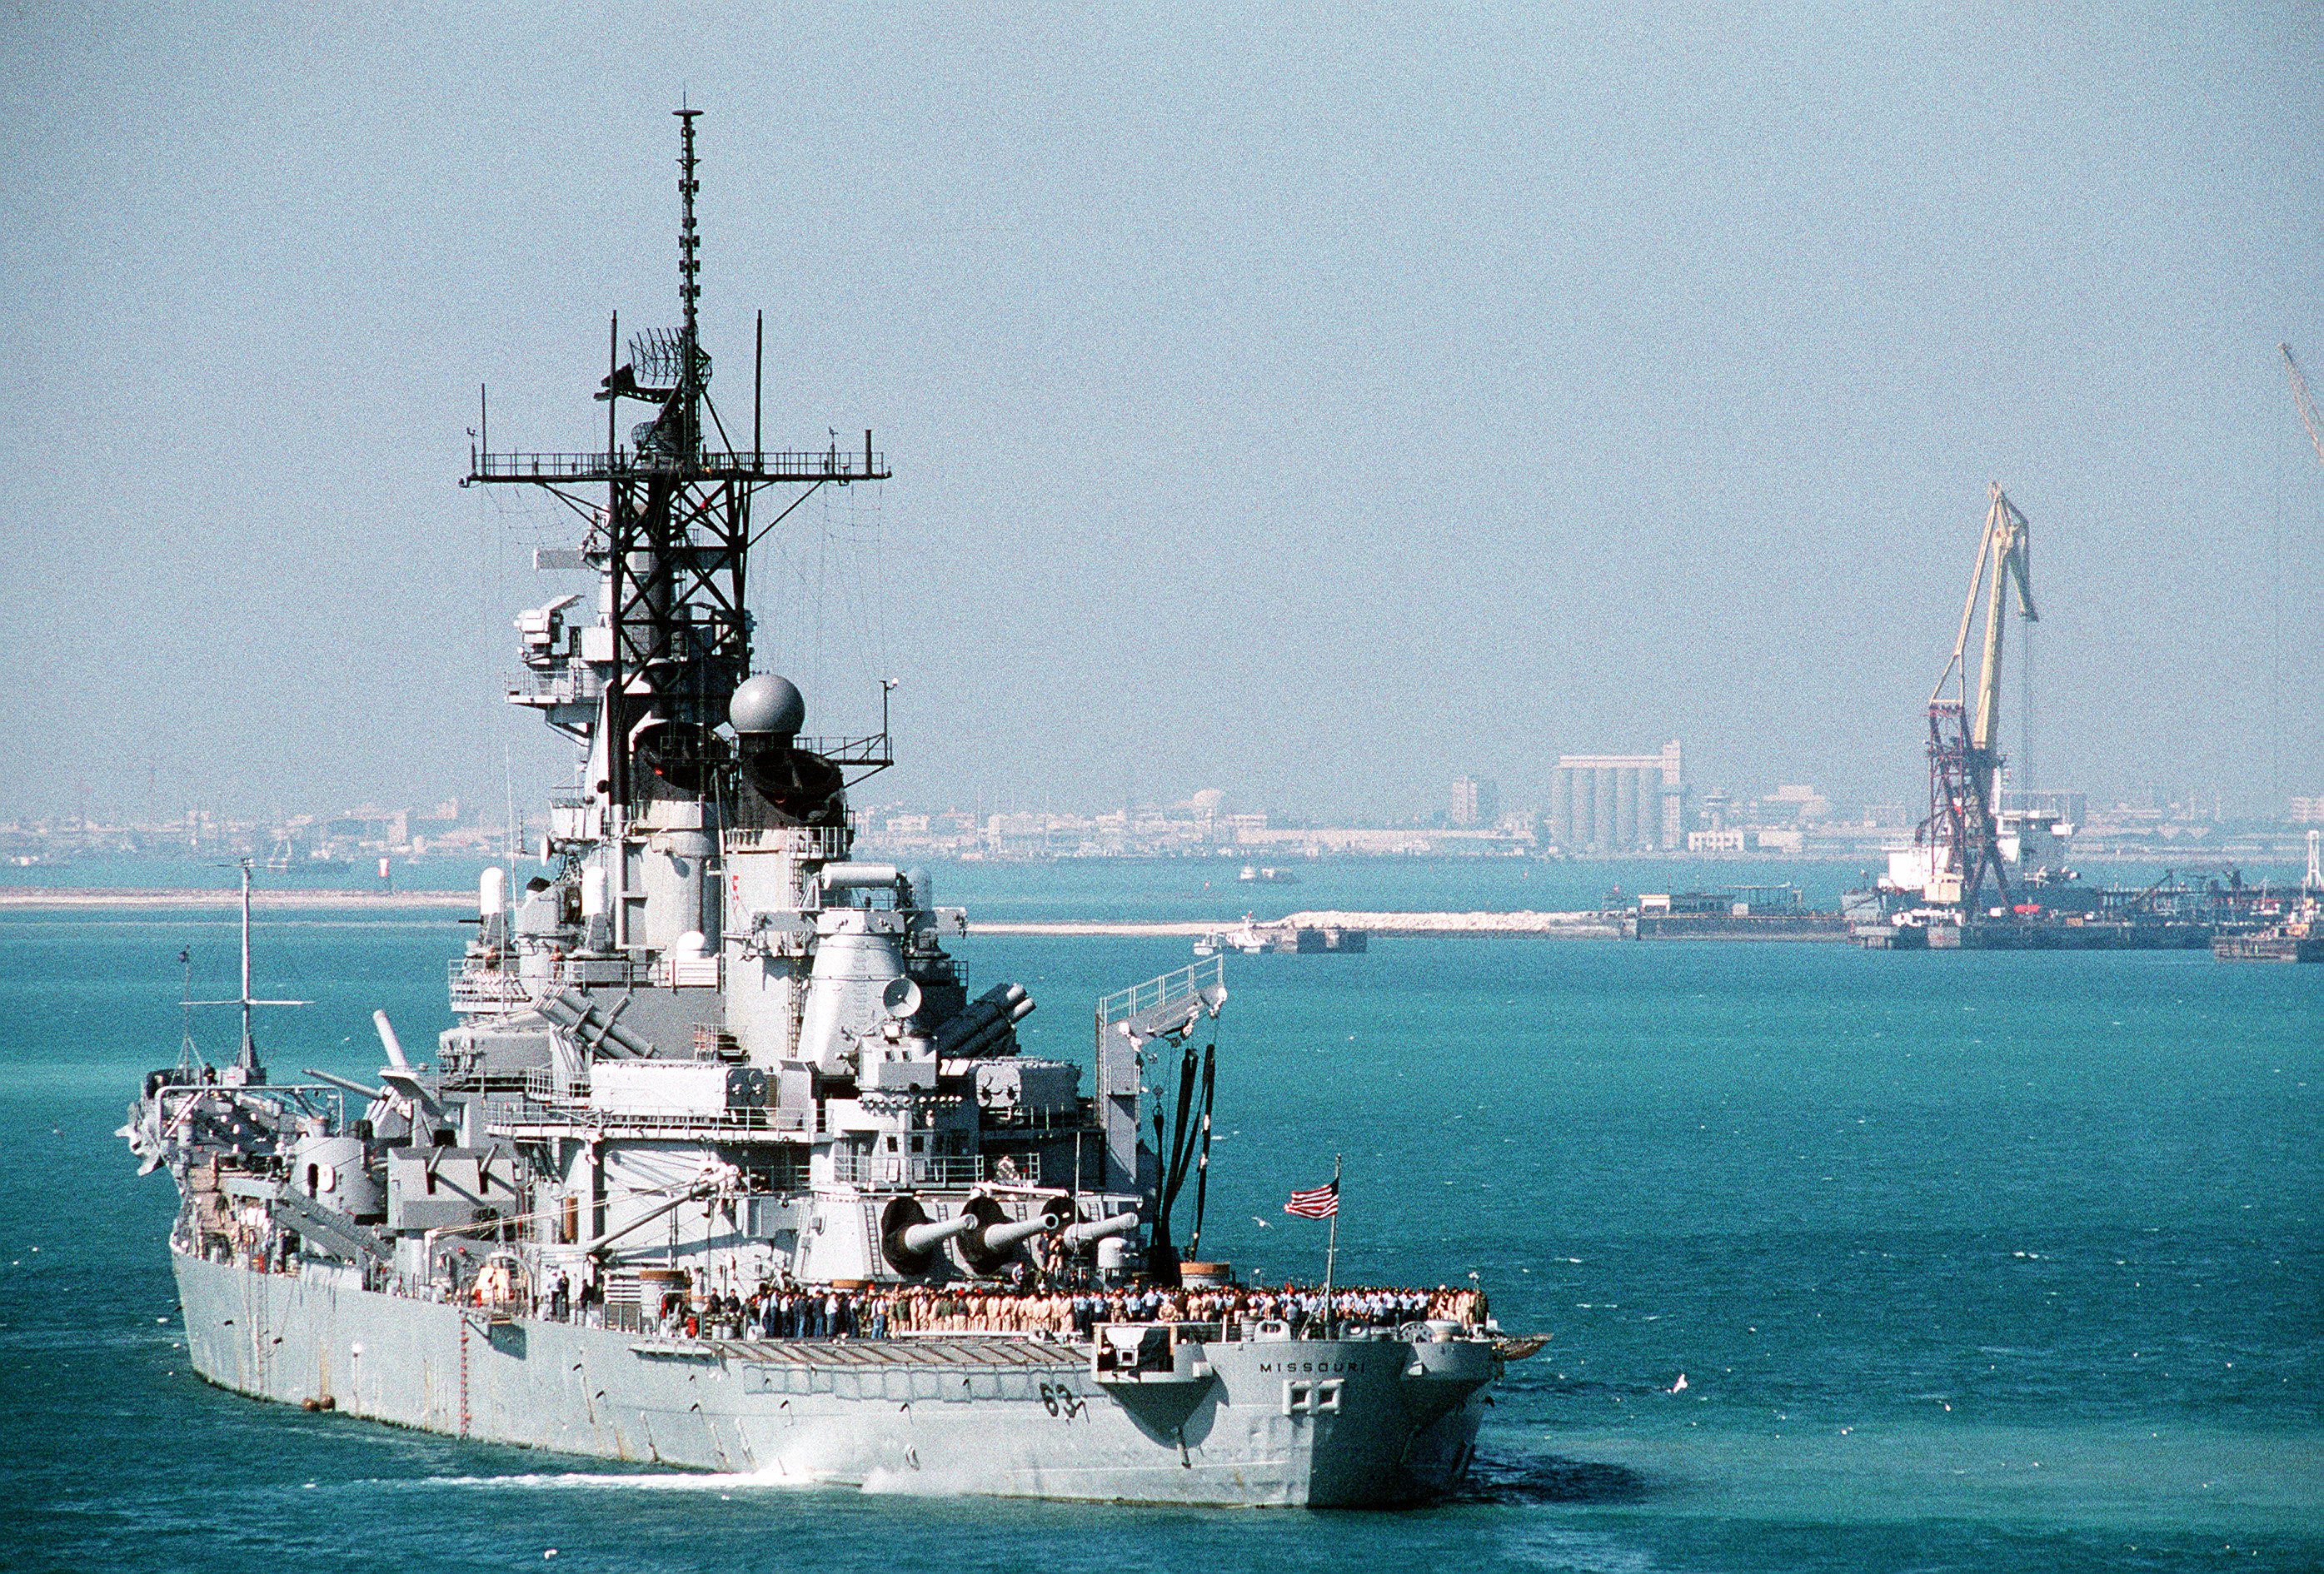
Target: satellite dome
(767, 703)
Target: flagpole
(1332, 1247)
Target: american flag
(1322, 1203)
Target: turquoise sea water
(1970, 1262)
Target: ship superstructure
(708, 1061)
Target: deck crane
(1961, 831)
(2308, 415)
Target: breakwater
(1427, 925)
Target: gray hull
(1313, 1422)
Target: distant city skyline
(1694, 808)
(1794, 823)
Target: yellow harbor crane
(1964, 767)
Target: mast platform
(774, 468)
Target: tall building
(1476, 801)
(1619, 803)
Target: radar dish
(767, 703)
(901, 998)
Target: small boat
(1252, 938)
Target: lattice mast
(672, 537)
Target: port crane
(1962, 830)
(2300, 396)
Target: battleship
(722, 1167)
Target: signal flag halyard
(1320, 1203)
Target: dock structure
(1800, 926)
(1734, 913)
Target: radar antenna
(246, 1065)
(689, 242)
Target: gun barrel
(387, 1039)
(349, 1083)
(920, 1238)
(999, 1238)
(1090, 1229)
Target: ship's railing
(721, 1122)
(835, 464)
(542, 1086)
(828, 842)
(1049, 1118)
(577, 683)
(1184, 984)
(908, 1169)
(873, 750)
(485, 988)
(514, 1117)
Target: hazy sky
(1310, 402)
